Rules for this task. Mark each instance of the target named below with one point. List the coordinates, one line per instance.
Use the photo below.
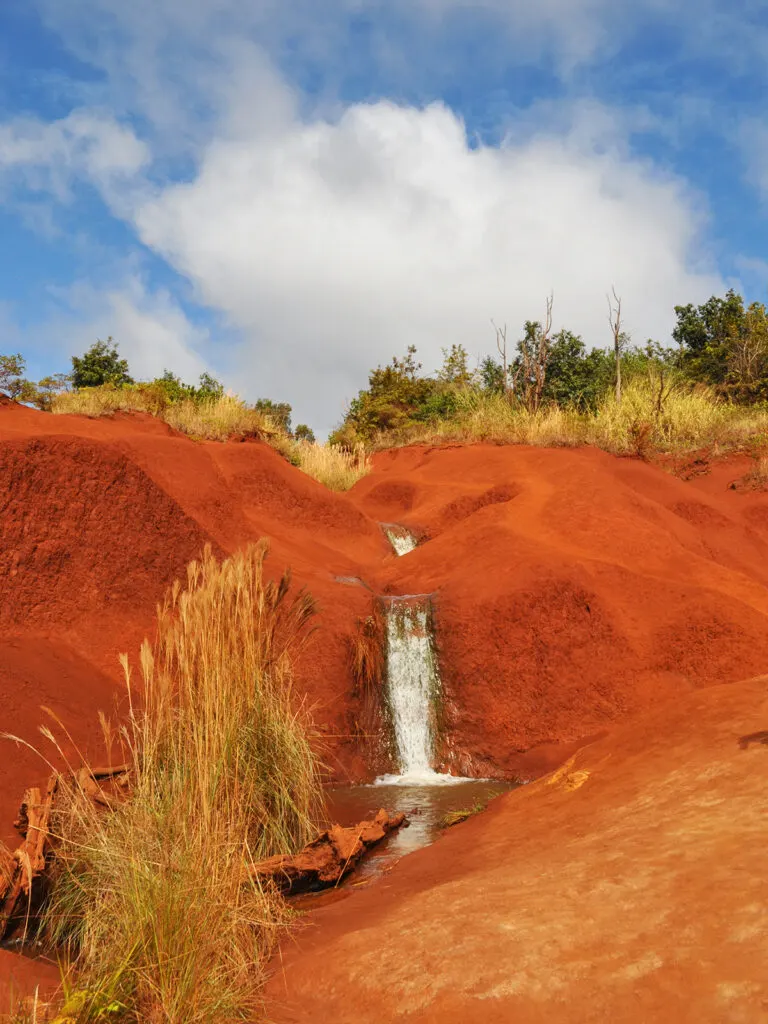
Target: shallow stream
(424, 805)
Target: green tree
(173, 387)
(455, 369)
(724, 344)
(47, 389)
(101, 364)
(576, 377)
(12, 381)
(396, 396)
(209, 387)
(278, 412)
(491, 376)
(304, 433)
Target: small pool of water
(424, 806)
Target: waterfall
(413, 690)
(401, 540)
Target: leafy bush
(12, 380)
(101, 364)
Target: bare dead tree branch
(614, 319)
(530, 374)
(501, 345)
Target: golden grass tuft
(451, 818)
(153, 901)
(210, 419)
(331, 465)
(217, 419)
(687, 418)
(109, 399)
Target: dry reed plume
(153, 901)
(332, 465)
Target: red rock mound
(571, 589)
(98, 517)
(628, 887)
(84, 532)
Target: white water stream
(401, 540)
(413, 689)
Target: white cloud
(332, 246)
(48, 156)
(153, 331)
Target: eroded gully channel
(413, 694)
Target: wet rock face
(326, 860)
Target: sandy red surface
(630, 889)
(576, 596)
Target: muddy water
(425, 806)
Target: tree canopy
(101, 364)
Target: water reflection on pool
(425, 806)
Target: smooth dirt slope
(630, 887)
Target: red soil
(630, 890)
(573, 590)
(98, 517)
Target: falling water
(413, 690)
(401, 540)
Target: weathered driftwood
(324, 862)
(327, 859)
(22, 872)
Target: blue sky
(287, 193)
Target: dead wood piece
(30, 857)
(93, 787)
(327, 859)
(7, 870)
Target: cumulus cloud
(329, 236)
(333, 245)
(49, 155)
(154, 332)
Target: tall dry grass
(332, 465)
(153, 900)
(211, 419)
(109, 399)
(687, 418)
(218, 419)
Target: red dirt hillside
(575, 594)
(572, 589)
(629, 888)
(98, 517)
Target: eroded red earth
(578, 597)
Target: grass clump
(335, 467)
(219, 417)
(109, 399)
(679, 419)
(451, 818)
(213, 418)
(153, 901)
(682, 418)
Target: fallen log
(23, 872)
(326, 860)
